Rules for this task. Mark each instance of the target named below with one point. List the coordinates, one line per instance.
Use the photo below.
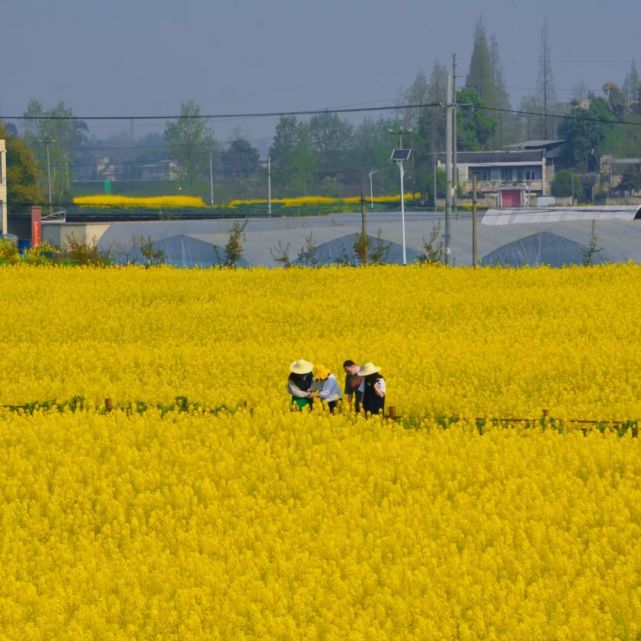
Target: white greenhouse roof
(618, 234)
(557, 214)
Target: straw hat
(368, 368)
(301, 366)
(321, 372)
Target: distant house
(513, 175)
(613, 168)
(105, 170)
(3, 186)
(161, 170)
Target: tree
(190, 142)
(293, 159)
(481, 75)
(474, 126)
(632, 90)
(485, 78)
(546, 92)
(615, 99)
(22, 172)
(565, 184)
(631, 180)
(331, 138)
(234, 246)
(240, 158)
(417, 94)
(371, 149)
(57, 132)
(506, 129)
(585, 133)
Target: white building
(3, 186)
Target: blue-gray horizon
(145, 58)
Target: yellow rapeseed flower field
(117, 200)
(252, 522)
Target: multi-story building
(3, 186)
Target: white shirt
(329, 389)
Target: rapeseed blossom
(253, 522)
(154, 202)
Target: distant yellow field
(252, 522)
(115, 200)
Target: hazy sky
(144, 57)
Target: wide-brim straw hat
(368, 368)
(301, 366)
(321, 372)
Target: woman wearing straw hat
(374, 389)
(326, 387)
(299, 384)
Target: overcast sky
(144, 57)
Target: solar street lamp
(399, 156)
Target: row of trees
(330, 155)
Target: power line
(261, 114)
(312, 112)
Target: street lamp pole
(269, 185)
(402, 172)
(371, 189)
(211, 179)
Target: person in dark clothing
(299, 384)
(374, 389)
(353, 385)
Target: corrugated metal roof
(530, 215)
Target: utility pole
(211, 179)
(448, 167)
(474, 228)
(435, 182)
(269, 185)
(454, 139)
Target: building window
(507, 175)
(482, 175)
(529, 173)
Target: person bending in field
(353, 385)
(374, 389)
(326, 387)
(299, 384)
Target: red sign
(36, 226)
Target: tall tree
(331, 138)
(240, 158)
(294, 163)
(545, 84)
(22, 172)
(417, 94)
(542, 108)
(475, 127)
(481, 76)
(632, 90)
(190, 141)
(506, 130)
(53, 134)
(585, 133)
(372, 145)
